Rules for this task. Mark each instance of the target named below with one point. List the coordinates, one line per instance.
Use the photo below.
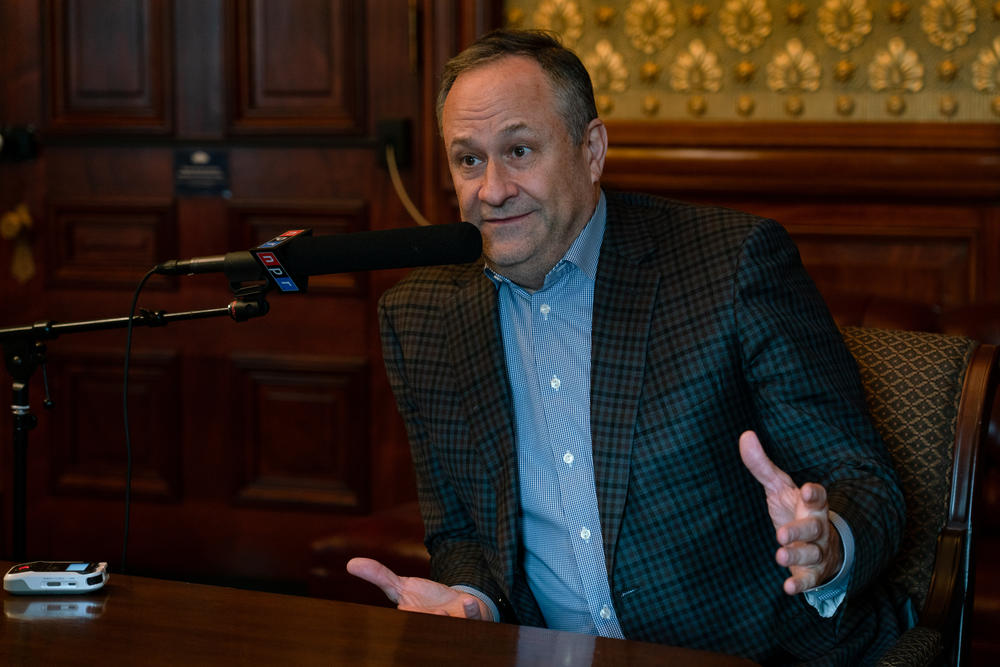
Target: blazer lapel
(476, 351)
(624, 296)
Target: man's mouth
(506, 219)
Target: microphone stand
(24, 352)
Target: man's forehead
(509, 75)
(511, 96)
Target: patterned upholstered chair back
(928, 394)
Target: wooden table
(141, 621)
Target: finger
(814, 496)
(802, 580)
(471, 609)
(809, 529)
(800, 554)
(376, 573)
(760, 466)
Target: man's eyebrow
(512, 129)
(460, 142)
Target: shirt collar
(584, 251)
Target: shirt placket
(572, 459)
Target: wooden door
(248, 439)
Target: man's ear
(596, 145)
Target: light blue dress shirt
(546, 339)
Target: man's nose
(496, 186)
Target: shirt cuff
(490, 604)
(826, 599)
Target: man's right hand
(419, 595)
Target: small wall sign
(201, 173)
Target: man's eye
(520, 151)
(468, 160)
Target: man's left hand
(810, 545)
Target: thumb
(760, 466)
(376, 573)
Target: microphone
(289, 259)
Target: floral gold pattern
(949, 105)
(745, 105)
(896, 69)
(650, 105)
(852, 60)
(649, 24)
(844, 70)
(793, 69)
(697, 105)
(562, 17)
(698, 14)
(844, 24)
(744, 71)
(607, 68)
(605, 15)
(986, 69)
(649, 72)
(795, 12)
(898, 11)
(515, 17)
(696, 70)
(947, 70)
(745, 24)
(845, 105)
(895, 105)
(948, 23)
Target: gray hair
(569, 78)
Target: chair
(931, 397)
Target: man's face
(520, 178)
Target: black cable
(128, 437)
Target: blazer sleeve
(813, 419)
(450, 533)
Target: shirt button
(568, 458)
(585, 533)
(605, 612)
(555, 382)
(545, 310)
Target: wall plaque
(201, 173)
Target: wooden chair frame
(947, 609)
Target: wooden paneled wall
(909, 211)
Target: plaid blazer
(705, 325)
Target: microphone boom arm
(24, 352)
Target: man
(589, 413)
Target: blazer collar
(624, 298)
(476, 350)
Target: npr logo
(278, 240)
(277, 271)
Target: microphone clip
(249, 302)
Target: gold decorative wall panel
(820, 60)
